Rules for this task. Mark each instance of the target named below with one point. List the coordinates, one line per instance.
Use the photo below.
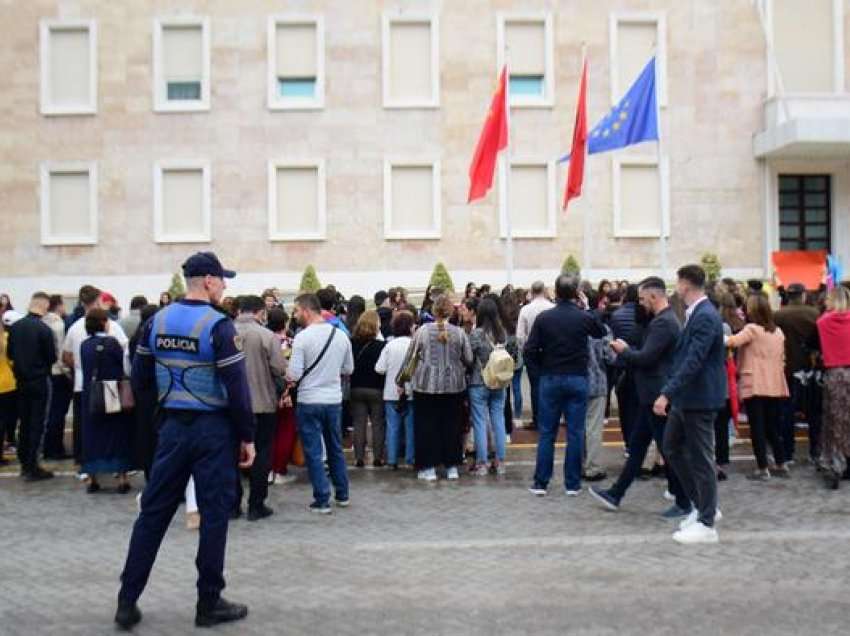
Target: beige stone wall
(716, 84)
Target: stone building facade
(339, 134)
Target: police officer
(191, 353)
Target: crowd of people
(428, 387)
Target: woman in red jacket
(834, 333)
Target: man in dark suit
(694, 392)
(649, 366)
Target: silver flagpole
(588, 205)
(663, 204)
(506, 158)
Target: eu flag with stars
(632, 121)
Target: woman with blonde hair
(367, 388)
(834, 333)
(443, 355)
(761, 364)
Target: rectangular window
(68, 203)
(182, 202)
(641, 205)
(297, 208)
(411, 61)
(532, 199)
(805, 212)
(68, 51)
(181, 64)
(810, 56)
(529, 42)
(634, 38)
(296, 62)
(412, 199)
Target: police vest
(181, 342)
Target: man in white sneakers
(694, 392)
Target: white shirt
(528, 314)
(74, 340)
(322, 385)
(57, 326)
(690, 310)
(389, 364)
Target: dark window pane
(789, 184)
(789, 231)
(791, 199)
(815, 200)
(184, 90)
(786, 246)
(816, 216)
(817, 245)
(816, 184)
(789, 216)
(816, 231)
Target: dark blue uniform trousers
(199, 444)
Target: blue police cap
(205, 264)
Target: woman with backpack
(486, 388)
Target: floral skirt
(835, 434)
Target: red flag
(579, 150)
(494, 137)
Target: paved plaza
(480, 556)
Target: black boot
(127, 615)
(221, 611)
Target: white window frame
(617, 162)
(45, 28)
(551, 206)
(659, 18)
(388, 18)
(525, 101)
(278, 234)
(161, 103)
(51, 167)
(274, 100)
(405, 162)
(159, 235)
(839, 48)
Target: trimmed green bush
(571, 266)
(177, 289)
(711, 264)
(440, 278)
(310, 281)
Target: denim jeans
(487, 408)
(317, 422)
(516, 387)
(395, 421)
(567, 395)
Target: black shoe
(221, 611)
(658, 470)
(236, 513)
(123, 489)
(360, 463)
(721, 475)
(127, 615)
(37, 474)
(832, 481)
(93, 487)
(645, 474)
(378, 463)
(595, 477)
(261, 512)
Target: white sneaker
(284, 479)
(573, 493)
(452, 474)
(694, 515)
(696, 533)
(669, 496)
(429, 474)
(139, 502)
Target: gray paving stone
(481, 556)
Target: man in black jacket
(557, 350)
(32, 352)
(649, 366)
